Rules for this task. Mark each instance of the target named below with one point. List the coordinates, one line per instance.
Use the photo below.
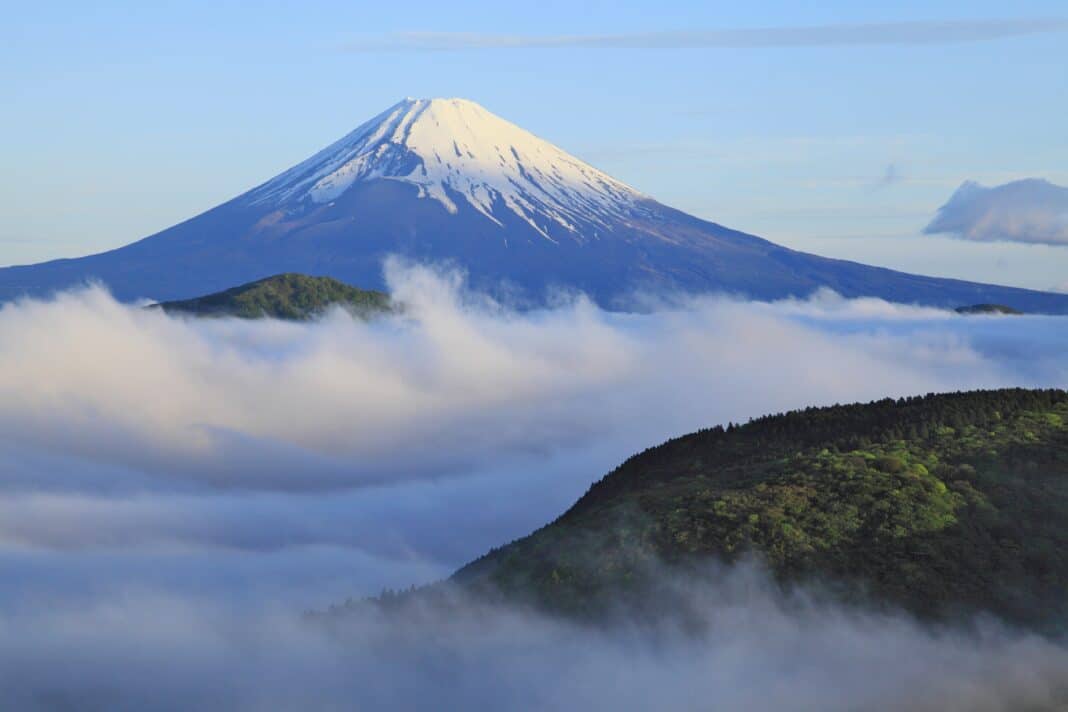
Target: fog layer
(173, 491)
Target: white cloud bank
(168, 485)
(1030, 211)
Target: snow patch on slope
(454, 147)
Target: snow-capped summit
(455, 150)
(445, 181)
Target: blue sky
(122, 119)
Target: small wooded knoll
(285, 296)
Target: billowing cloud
(126, 431)
(173, 490)
(887, 33)
(1030, 210)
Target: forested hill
(943, 504)
(284, 296)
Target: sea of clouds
(175, 492)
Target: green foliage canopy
(285, 296)
(943, 504)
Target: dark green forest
(946, 505)
(289, 296)
(989, 309)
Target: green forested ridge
(284, 296)
(942, 504)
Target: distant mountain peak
(455, 151)
(447, 182)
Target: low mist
(759, 649)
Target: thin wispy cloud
(891, 176)
(888, 33)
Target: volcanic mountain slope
(945, 504)
(445, 180)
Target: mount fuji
(445, 180)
